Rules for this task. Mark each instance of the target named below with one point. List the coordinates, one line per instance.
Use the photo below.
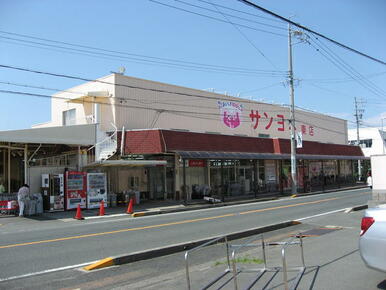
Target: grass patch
(242, 260)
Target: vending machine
(96, 190)
(75, 189)
(53, 192)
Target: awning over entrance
(69, 135)
(218, 146)
(241, 155)
(128, 163)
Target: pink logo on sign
(230, 113)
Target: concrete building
(371, 140)
(168, 141)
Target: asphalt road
(28, 246)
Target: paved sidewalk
(161, 206)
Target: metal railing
(262, 271)
(234, 269)
(107, 145)
(187, 255)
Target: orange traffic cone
(78, 215)
(130, 207)
(102, 208)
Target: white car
(372, 241)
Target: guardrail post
(285, 278)
(187, 269)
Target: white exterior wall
(182, 109)
(193, 110)
(59, 104)
(369, 133)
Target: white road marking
(321, 214)
(47, 271)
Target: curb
(199, 207)
(360, 207)
(168, 250)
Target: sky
(217, 45)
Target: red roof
(163, 141)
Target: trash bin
(39, 202)
(30, 207)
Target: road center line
(163, 225)
(115, 232)
(290, 205)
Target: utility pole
(358, 117)
(292, 113)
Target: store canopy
(128, 163)
(69, 135)
(226, 155)
(241, 155)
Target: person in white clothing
(21, 197)
(369, 180)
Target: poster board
(96, 189)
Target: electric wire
(134, 55)
(118, 85)
(173, 65)
(216, 19)
(341, 65)
(243, 12)
(353, 70)
(217, 11)
(246, 37)
(249, 3)
(199, 115)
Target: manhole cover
(318, 232)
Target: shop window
(366, 143)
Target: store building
(371, 140)
(172, 142)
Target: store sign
(196, 163)
(230, 113)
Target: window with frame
(69, 117)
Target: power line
(310, 30)
(141, 88)
(342, 80)
(216, 19)
(350, 68)
(115, 84)
(246, 37)
(131, 56)
(341, 65)
(227, 14)
(242, 12)
(174, 65)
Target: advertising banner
(75, 189)
(96, 189)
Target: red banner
(197, 163)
